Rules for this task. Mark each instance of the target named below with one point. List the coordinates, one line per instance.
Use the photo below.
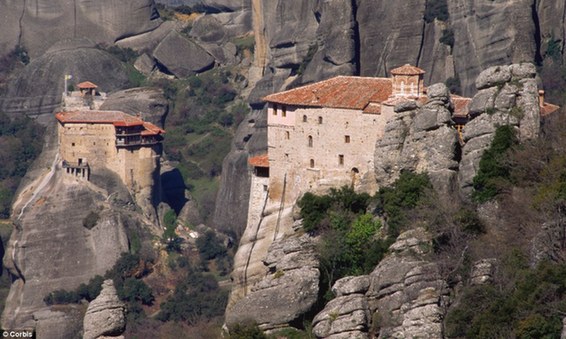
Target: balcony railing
(70, 164)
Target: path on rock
(41, 185)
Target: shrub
(453, 84)
(436, 9)
(133, 290)
(210, 247)
(91, 220)
(447, 37)
(493, 173)
(405, 194)
(246, 330)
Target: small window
(286, 156)
(73, 144)
(310, 141)
(94, 144)
(287, 135)
(312, 163)
(341, 159)
(304, 118)
(320, 120)
(274, 109)
(284, 111)
(347, 139)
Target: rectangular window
(320, 120)
(274, 109)
(347, 139)
(287, 135)
(284, 111)
(341, 159)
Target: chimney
(541, 97)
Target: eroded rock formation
(507, 95)
(420, 139)
(287, 291)
(105, 315)
(404, 297)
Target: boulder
(493, 76)
(351, 285)
(482, 271)
(148, 102)
(181, 56)
(341, 316)
(145, 64)
(105, 315)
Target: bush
(133, 290)
(494, 174)
(436, 9)
(406, 193)
(453, 84)
(447, 37)
(91, 220)
(246, 330)
(210, 247)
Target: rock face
(37, 25)
(507, 95)
(105, 315)
(404, 297)
(50, 248)
(181, 56)
(38, 88)
(150, 102)
(289, 290)
(421, 140)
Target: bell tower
(408, 81)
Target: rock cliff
(507, 95)
(51, 248)
(38, 88)
(38, 24)
(420, 139)
(288, 291)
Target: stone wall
(341, 151)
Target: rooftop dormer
(408, 81)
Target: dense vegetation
(22, 141)
(353, 240)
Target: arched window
(287, 135)
(304, 118)
(310, 141)
(320, 120)
(312, 163)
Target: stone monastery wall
(314, 148)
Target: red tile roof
(339, 92)
(547, 109)
(461, 105)
(407, 70)
(259, 161)
(116, 118)
(86, 85)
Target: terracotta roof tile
(547, 109)
(461, 105)
(259, 161)
(116, 118)
(339, 92)
(86, 85)
(407, 70)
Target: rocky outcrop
(346, 316)
(149, 102)
(38, 88)
(105, 315)
(289, 290)
(507, 95)
(420, 139)
(404, 297)
(483, 271)
(181, 56)
(37, 25)
(407, 294)
(50, 248)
